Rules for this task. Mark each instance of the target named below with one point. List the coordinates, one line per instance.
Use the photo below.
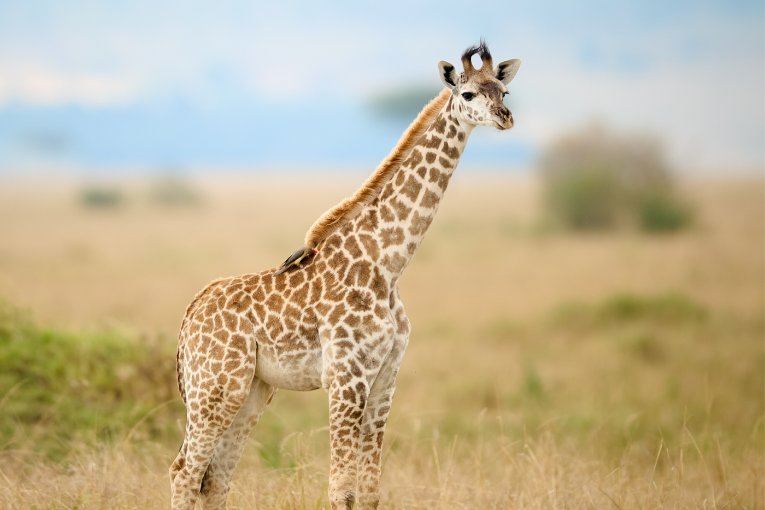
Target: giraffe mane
(350, 207)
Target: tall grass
(633, 401)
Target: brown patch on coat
(391, 236)
(386, 214)
(450, 151)
(394, 263)
(430, 199)
(360, 300)
(358, 274)
(370, 246)
(402, 210)
(379, 284)
(412, 188)
(434, 142)
(352, 246)
(369, 221)
(414, 159)
(440, 125)
(419, 224)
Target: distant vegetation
(101, 197)
(402, 104)
(597, 179)
(165, 191)
(59, 388)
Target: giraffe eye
(467, 96)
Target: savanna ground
(545, 370)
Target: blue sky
(115, 85)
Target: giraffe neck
(409, 201)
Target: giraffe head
(478, 93)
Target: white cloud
(41, 85)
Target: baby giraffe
(331, 316)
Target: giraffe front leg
(373, 427)
(370, 448)
(351, 361)
(347, 399)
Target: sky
(149, 86)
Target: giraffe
(331, 316)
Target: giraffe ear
(506, 70)
(448, 74)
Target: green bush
(659, 212)
(59, 389)
(101, 197)
(597, 180)
(585, 198)
(624, 308)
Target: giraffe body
(336, 323)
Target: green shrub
(623, 308)
(586, 198)
(659, 212)
(672, 307)
(61, 389)
(597, 180)
(101, 197)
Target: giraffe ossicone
(331, 316)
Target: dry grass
(500, 473)
(546, 370)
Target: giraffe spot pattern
(331, 323)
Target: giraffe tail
(179, 371)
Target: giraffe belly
(299, 370)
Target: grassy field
(545, 370)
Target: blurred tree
(402, 104)
(597, 179)
(101, 196)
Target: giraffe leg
(371, 440)
(349, 371)
(187, 471)
(373, 425)
(346, 406)
(215, 484)
(209, 414)
(179, 462)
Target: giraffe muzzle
(503, 118)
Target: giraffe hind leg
(179, 462)
(216, 401)
(217, 478)
(191, 465)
